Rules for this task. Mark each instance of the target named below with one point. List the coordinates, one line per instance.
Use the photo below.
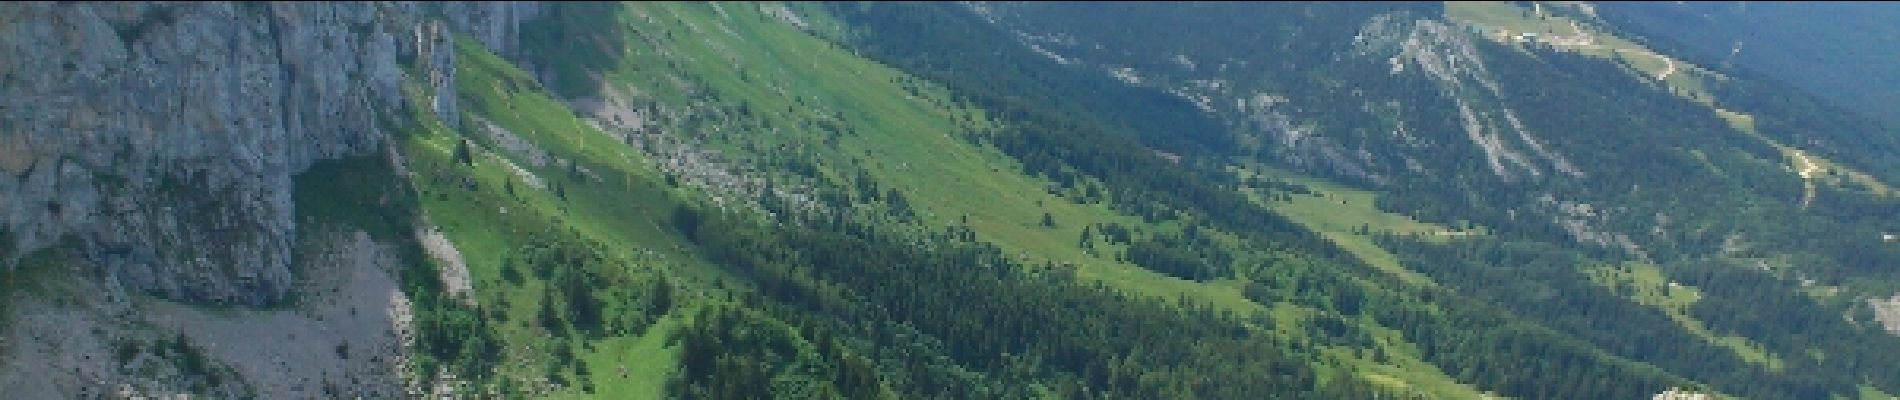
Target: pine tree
(463, 154)
(547, 315)
(662, 297)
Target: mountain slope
(972, 200)
(897, 170)
(1545, 143)
(1839, 51)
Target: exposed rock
(82, 338)
(164, 136)
(342, 339)
(783, 13)
(1586, 224)
(1888, 313)
(436, 51)
(1303, 147)
(514, 144)
(453, 269)
(1448, 56)
(1674, 394)
(496, 24)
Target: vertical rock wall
(162, 137)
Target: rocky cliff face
(1447, 55)
(162, 138)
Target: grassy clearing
(1392, 362)
(624, 201)
(1347, 216)
(1813, 169)
(646, 359)
(1871, 393)
(1503, 22)
(1395, 363)
(1645, 284)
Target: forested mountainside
(1841, 51)
(926, 200)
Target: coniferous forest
(889, 200)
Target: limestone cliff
(161, 138)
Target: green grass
(1402, 368)
(1824, 171)
(1871, 393)
(624, 211)
(908, 136)
(648, 361)
(1503, 19)
(1344, 215)
(911, 143)
(1647, 285)
(1340, 214)
(904, 134)
(629, 204)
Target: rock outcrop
(1447, 56)
(162, 138)
(1887, 313)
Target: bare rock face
(344, 338)
(1447, 55)
(1887, 312)
(163, 137)
(496, 24)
